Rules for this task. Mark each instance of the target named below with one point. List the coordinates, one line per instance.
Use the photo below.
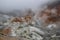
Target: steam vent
(41, 23)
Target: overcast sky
(8, 5)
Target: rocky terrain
(41, 25)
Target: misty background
(17, 7)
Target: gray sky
(8, 5)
